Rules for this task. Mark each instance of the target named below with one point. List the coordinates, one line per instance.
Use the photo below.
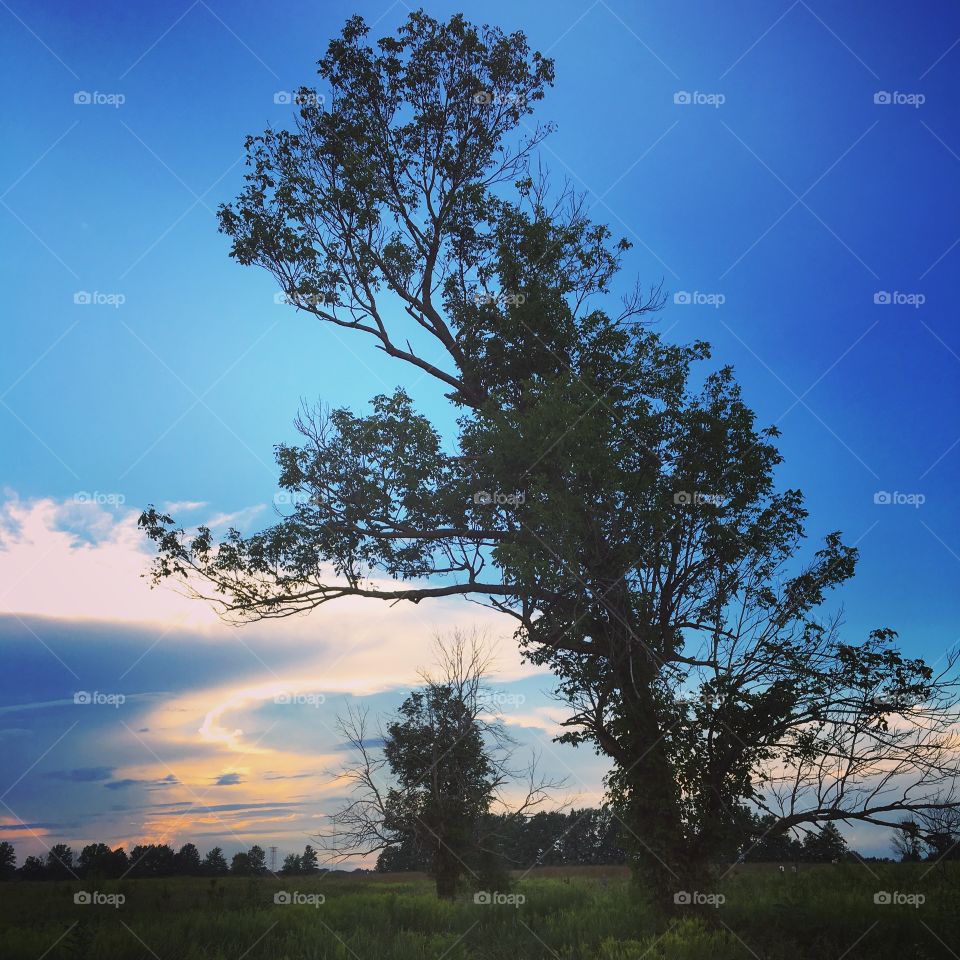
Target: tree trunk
(445, 873)
(668, 867)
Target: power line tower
(273, 859)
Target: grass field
(821, 913)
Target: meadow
(820, 913)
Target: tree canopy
(610, 491)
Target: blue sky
(782, 189)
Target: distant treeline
(588, 836)
(597, 836)
(147, 860)
(575, 838)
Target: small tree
(309, 862)
(941, 833)
(402, 857)
(257, 860)
(215, 864)
(906, 842)
(33, 869)
(767, 842)
(8, 860)
(187, 860)
(152, 860)
(446, 764)
(825, 845)
(436, 752)
(60, 863)
(291, 865)
(240, 864)
(97, 859)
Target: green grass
(820, 914)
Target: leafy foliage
(602, 489)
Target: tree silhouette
(187, 860)
(8, 860)
(308, 861)
(33, 869)
(448, 758)
(59, 864)
(214, 863)
(614, 499)
(257, 860)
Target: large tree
(602, 490)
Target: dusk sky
(791, 172)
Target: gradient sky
(798, 201)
